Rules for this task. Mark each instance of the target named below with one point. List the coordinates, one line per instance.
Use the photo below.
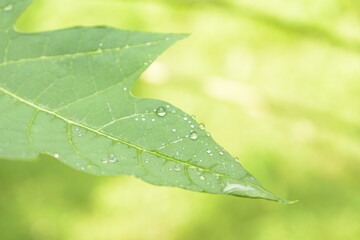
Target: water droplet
(193, 117)
(174, 130)
(153, 119)
(143, 119)
(56, 155)
(210, 154)
(237, 159)
(208, 134)
(161, 112)
(177, 168)
(185, 118)
(148, 43)
(202, 177)
(100, 44)
(136, 119)
(125, 88)
(173, 111)
(111, 158)
(8, 8)
(78, 132)
(202, 126)
(193, 136)
(208, 151)
(221, 153)
(192, 126)
(230, 188)
(167, 38)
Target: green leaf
(66, 93)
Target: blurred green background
(276, 82)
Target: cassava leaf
(66, 93)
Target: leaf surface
(66, 93)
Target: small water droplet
(125, 88)
(208, 151)
(221, 153)
(192, 126)
(193, 136)
(208, 134)
(153, 119)
(174, 130)
(173, 111)
(111, 158)
(56, 155)
(105, 161)
(161, 112)
(136, 119)
(167, 38)
(148, 43)
(78, 132)
(8, 8)
(185, 118)
(100, 44)
(202, 177)
(237, 159)
(143, 119)
(193, 117)
(202, 126)
(177, 168)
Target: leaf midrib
(39, 108)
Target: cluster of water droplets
(111, 158)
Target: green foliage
(66, 93)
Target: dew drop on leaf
(111, 158)
(56, 155)
(161, 112)
(193, 136)
(202, 126)
(8, 8)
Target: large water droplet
(202, 126)
(161, 112)
(193, 136)
(8, 8)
